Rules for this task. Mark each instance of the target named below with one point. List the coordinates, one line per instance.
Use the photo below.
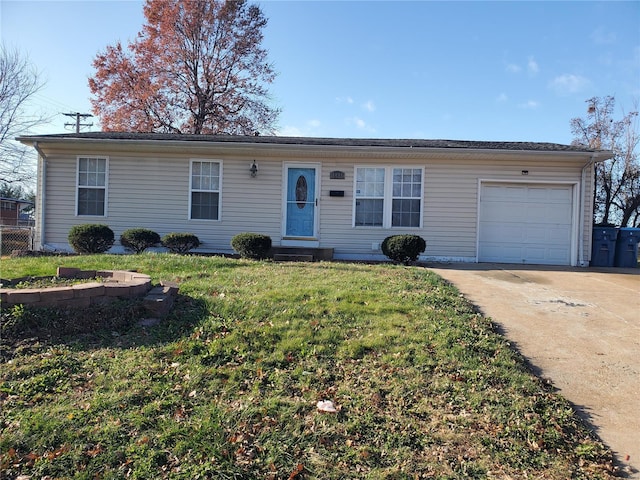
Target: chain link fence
(15, 238)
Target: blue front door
(301, 202)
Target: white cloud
(360, 124)
(513, 68)
(289, 131)
(569, 83)
(369, 106)
(532, 67)
(600, 36)
(347, 99)
(530, 104)
(308, 130)
(502, 98)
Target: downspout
(581, 254)
(43, 189)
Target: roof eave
(595, 155)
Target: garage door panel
(559, 256)
(505, 211)
(557, 195)
(546, 234)
(535, 235)
(508, 253)
(525, 224)
(492, 233)
(536, 194)
(558, 214)
(501, 193)
(535, 213)
(501, 253)
(534, 254)
(559, 234)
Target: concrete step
(292, 257)
(316, 254)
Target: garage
(525, 223)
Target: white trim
(297, 242)
(105, 187)
(301, 241)
(575, 210)
(191, 190)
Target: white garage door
(525, 223)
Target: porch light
(254, 169)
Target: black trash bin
(627, 248)
(603, 246)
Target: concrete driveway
(578, 327)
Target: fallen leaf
(297, 471)
(32, 456)
(94, 452)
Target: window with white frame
(369, 210)
(388, 197)
(205, 190)
(92, 186)
(407, 197)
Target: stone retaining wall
(116, 284)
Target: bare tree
(617, 194)
(19, 82)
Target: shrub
(251, 245)
(139, 239)
(180, 242)
(403, 248)
(91, 238)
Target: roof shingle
(311, 141)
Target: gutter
(594, 158)
(42, 191)
(253, 148)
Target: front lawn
(227, 386)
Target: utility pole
(78, 116)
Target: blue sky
(458, 70)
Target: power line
(53, 103)
(78, 116)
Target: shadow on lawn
(116, 325)
(582, 411)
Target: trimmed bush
(180, 242)
(251, 245)
(91, 238)
(403, 248)
(139, 239)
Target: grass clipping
(418, 385)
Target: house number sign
(336, 175)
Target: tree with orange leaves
(197, 67)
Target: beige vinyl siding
(450, 205)
(251, 204)
(151, 190)
(336, 216)
(60, 200)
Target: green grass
(226, 387)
